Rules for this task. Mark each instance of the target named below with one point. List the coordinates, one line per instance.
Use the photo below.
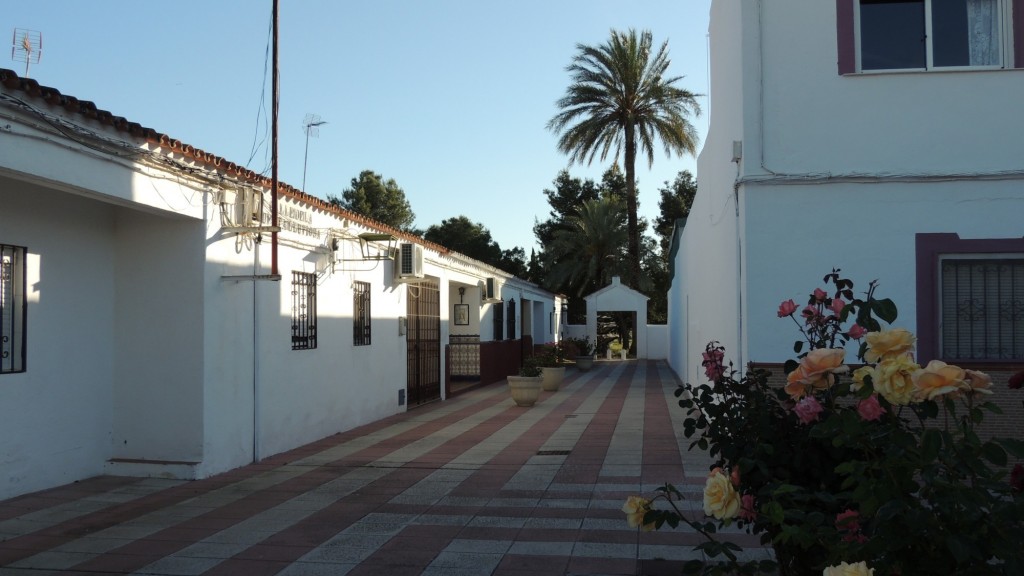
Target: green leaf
(798, 346)
(1012, 445)
(885, 309)
(994, 453)
(960, 549)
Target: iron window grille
(303, 311)
(982, 309)
(499, 321)
(13, 308)
(361, 314)
(511, 323)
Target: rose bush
(875, 471)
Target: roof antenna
(311, 125)
(27, 47)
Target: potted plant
(552, 366)
(583, 350)
(525, 387)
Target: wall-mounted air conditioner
(408, 262)
(492, 290)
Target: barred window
(511, 319)
(361, 314)
(12, 309)
(499, 321)
(982, 309)
(303, 311)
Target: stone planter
(584, 363)
(552, 378)
(525, 389)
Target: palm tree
(619, 98)
(586, 252)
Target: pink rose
(820, 294)
(787, 308)
(857, 332)
(808, 409)
(713, 367)
(1017, 380)
(837, 306)
(848, 523)
(734, 477)
(747, 511)
(809, 312)
(870, 409)
(1017, 478)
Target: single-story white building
(154, 321)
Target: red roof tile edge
(10, 80)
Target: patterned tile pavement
(474, 486)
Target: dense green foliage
(383, 200)
(621, 101)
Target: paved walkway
(474, 486)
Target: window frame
(361, 314)
(1011, 28)
(304, 336)
(14, 330)
(931, 249)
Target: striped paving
(472, 486)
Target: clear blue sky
(448, 97)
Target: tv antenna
(311, 125)
(27, 47)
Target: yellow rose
(816, 371)
(888, 344)
(844, 569)
(893, 379)
(635, 508)
(858, 377)
(936, 379)
(720, 498)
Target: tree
(587, 251)
(474, 240)
(382, 200)
(619, 98)
(675, 203)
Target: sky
(450, 98)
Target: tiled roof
(86, 109)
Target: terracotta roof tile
(10, 80)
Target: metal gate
(423, 343)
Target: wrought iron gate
(423, 343)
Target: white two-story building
(881, 137)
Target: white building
(145, 329)
(884, 138)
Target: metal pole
(275, 95)
(305, 159)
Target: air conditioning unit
(408, 262)
(492, 291)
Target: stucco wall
(56, 416)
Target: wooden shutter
(845, 37)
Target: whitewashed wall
(704, 299)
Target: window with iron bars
(13, 308)
(303, 311)
(511, 319)
(361, 314)
(499, 321)
(982, 309)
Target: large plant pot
(552, 378)
(584, 363)
(525, 389)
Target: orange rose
(936, 379)
(977, 382)
(888, 343)
(816, 371)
